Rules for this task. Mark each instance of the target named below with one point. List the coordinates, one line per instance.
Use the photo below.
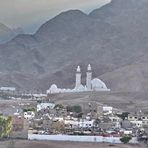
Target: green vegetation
(59, 126)
(125, 139)
(39, 101)
(5, 126)
(123, 115)
(76, 109)
(80, 115)
(29, 109)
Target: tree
(5, 126)
(29, 109)
(59, 126)
(80, 115)
(58, 106)
(123, 115)
(76, 109)
(125, 139)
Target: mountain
(114, 39)
(7, 33)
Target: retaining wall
(77, 138)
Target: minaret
(78, 77)
(88, 77)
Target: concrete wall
(77, 138)
(19, 134)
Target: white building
(86, 123)
(78, 78)
(8, 89)
(29, 115)
(127, 132)
(137, 123)
(45, 106)
(139, 119)
(91, 84)
(89, 77)
(83, 123)
(107, 109)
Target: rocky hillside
(114, 39)
(7, 33)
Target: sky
(31, 14)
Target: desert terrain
(9, 107)
(56, 144)
(125, 101)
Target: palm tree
(5, 126)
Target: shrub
(5, 126)
(29, 110)
(123, 115)
(58, 106)
(125, 139)
(76, 109)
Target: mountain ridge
(103, 38)
(6, 33)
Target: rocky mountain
(7, 33)
(114, 39)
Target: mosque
(91, 84)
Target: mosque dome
(91, 85)
(53, 89)
(98, 84)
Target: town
(38, 117)
(73, 73)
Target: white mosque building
(91, 84)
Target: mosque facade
(91, 84)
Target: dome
(53, 89)
(97, 84)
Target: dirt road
(55, 144)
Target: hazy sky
(30, 14)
